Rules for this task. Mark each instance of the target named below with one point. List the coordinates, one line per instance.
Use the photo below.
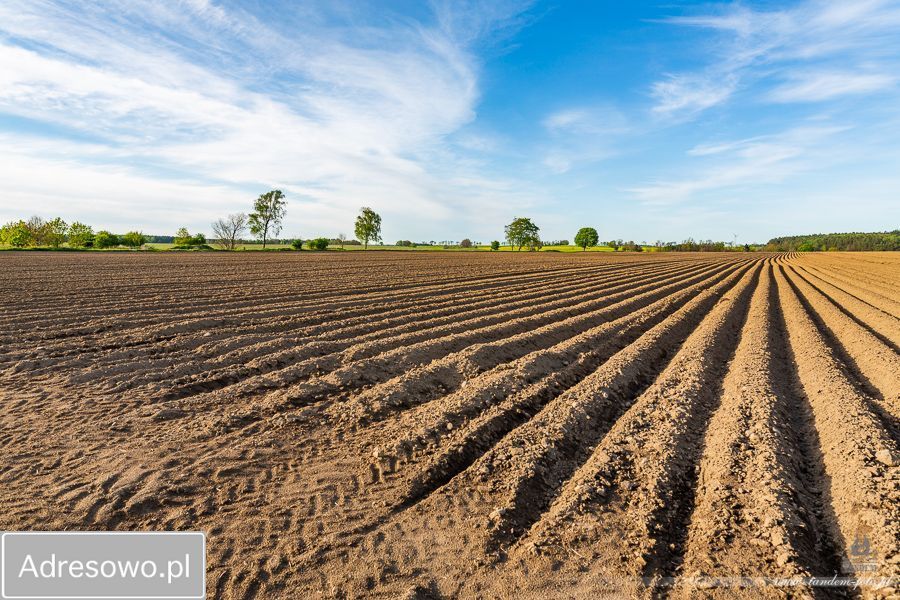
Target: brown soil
(461, 425)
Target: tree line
(522, 232)
(823, 242)
(270, 208)
(264, 222)
(36, 232)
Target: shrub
(317, 243)
(182, 237)
(183, 240)
(297, 244)
(466, 243)
(495, 245)
(134, 239)
(105, 239)
(534, 244)
(193, 247)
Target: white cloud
(690, 94)
(336, 116)
(582, 135)
(747, 163)
(816, 50)
(597, 120)
(816, 87)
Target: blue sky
(646, 120)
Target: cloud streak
(343, 115)
(746, 163)
(785, 50)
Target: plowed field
(464, 425)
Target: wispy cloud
(342, 115)
(596, 120)
(816, 50)
(687, 95)
(582, 135)
(749, 162)
(816, 87)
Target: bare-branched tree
(228, 231)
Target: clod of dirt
(891, 459)
(168, 414)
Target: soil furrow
(390, 364)
(553, 372)
(854, 288)
(880, 324)
(758, 512)
(859, 456)
(875, 365)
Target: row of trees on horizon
(269, 209)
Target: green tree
(105, 239)
(38, 228)
(55, 232)
(134, 239)
(80, 235)
(318, 244)
(16, 234)
(368, 226)
(495, 245)
(522, 232)
(268, 212)
(182, 237)
(586, 237)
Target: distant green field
(482, 248)
(354, 247)
(161, 246)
